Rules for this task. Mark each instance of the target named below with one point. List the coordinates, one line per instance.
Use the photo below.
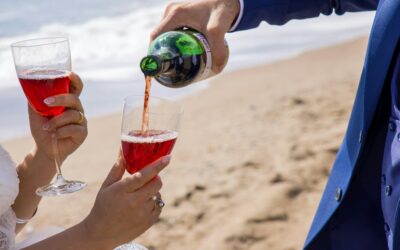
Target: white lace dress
(8, 192)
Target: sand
(252, 159)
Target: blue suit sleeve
(278, 12)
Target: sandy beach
(252, 159)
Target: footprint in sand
(244, 239)
(298, 101)
(246, 164)
(293, 192)
(200, 216)
(251, 164)
(278, 178)
(189, 194)
(225, 195)
(300, 153)
(269, 218)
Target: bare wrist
(41, 156)
(93, 237)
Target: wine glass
(140, 145)
(143, 144)
(43, 66)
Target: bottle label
(207, 69)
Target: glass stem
(59, 177)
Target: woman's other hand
(124, 207)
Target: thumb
(76, 83)
(116, 172)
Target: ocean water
(108, 39)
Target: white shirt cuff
(239, 18)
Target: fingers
(76, 84)
(178, 15)
(69, 100)
(150, 210)
(169, 8)
(156, 209)
(156, 196)
(151, 205)
(156, 214)
(64, 100)
(148, 206)
(166, 24)
(210, 18)
(216, 39)
(139, 179)
(218, 25)
(69, 116)
(116, 172)
(149, 190)
(73, 132)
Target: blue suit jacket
(349, 216)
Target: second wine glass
(143, 144)
(43, 66)
(140, 148)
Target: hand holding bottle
(213, 18)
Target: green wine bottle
(178, 58)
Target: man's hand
(213, 18)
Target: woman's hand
(70, 127)
(124, 208)
(213, 18)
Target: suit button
(398, 136)
(392, 126)
(338, 194)
(388, 190)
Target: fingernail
(46, 126)
(49, 100)
(166, 159)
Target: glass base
(131, 246)
(60, 187)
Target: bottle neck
(153, 65)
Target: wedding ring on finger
(81, 118)
(158, 202)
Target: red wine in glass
(142, 149)
(40, 84)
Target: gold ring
(81, 118)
